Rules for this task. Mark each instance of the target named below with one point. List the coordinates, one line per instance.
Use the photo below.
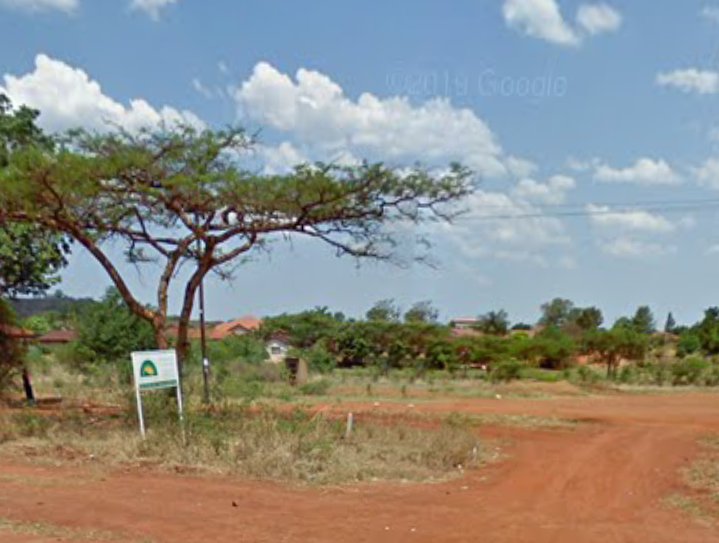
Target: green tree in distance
(643, 320)
(495, 323)
(556, 313)
(384, 311)
(422, 313)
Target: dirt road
(606, 481)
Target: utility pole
(203, 333)
(203, 343)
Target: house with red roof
(236, 327)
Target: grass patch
(702, 477)
(260, 442)
(47, 530)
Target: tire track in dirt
(604, 482)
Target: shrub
(111, 331)
(319, 359)
(316, 388)
(507, 371)
(689, 371)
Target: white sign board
(155, 370)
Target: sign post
(155, 370)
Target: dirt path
(605, 482)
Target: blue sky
(595, 108)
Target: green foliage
(316, 388)
(304, 329)
(30, 256)
(234, 348)
(507, 371)
(319, 359)
(494, 323)
(689, 371)
(384, 311)
(613, 346)
(588, 319)
(556, 313)
(422, 313)
(671, 324)
(552, 348)
(643, 320)
(111, 331)
(688, 344)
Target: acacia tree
(178, 197)
(29, 256)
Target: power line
(622, 209)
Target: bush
(689, 371)
(319, 359)
(507, 371)
(316, 388)
(111, 331)
(75, 356)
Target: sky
(592, 130)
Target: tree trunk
(160, 330)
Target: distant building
(14, 332)
(237, 327)
(58, 337)
(464, 323)
(277, 347)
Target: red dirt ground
(605, 482)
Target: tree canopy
(30, 257)
(181, 197)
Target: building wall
(277, 350)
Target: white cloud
(539, 19)
(626, 247)
(691, 80)
(645, 171)
(553, 191)
(505, 227)
(707, 174)
(68, 98)
(202, 89)
(315, 112)
(282, 158)
(598, 18)
(543, 19)
(152, 7)
(635, 220)
(710, 13)
(68, 6)
(713, 249)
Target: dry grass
(702, 477)
(258, 443)
(62, 533)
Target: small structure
(466, 323)
(297, 370)
(20, 334)
(278, 346)
(236, 327)
(58, 337)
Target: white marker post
(155, 370)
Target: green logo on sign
(148, 369)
